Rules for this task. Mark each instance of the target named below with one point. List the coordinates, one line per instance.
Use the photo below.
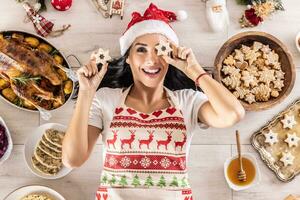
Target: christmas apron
(145, 155)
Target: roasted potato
(18, 36)
(9, 94)
(3, 84)
(56, 104)
(58, 59)
(45, 47)
(68, 87)
(33, 42)
(62, 74)
(27, 104)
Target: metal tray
(65, 63)
(271, 154)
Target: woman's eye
(141, 49)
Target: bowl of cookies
(257, 68)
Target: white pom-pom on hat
(181, 15)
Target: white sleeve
(191, 101)
(96, 114)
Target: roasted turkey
(42, 85)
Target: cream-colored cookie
(287, 158)
(292, 140)
(229, 70)
(253, 70)
(102, 56)
(163, 48)
(288, 121)
(229, 60)
(271, 58)
(266, 76)
(262, 92)
(241, 92)
(250, 98)
(248, 79)
(276, 66)
(231, 82)
(279, 74)
(278, 84)
(245, 48)
(271, 137)
(239, 55)
(251, 56)
(257, 46)
(265, 49)
(274, 93)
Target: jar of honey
(232, 167)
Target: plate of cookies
(257, 68)
(34, 192)
(43, 151)
(278, 143)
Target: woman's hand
(184, 60)
(89, 77)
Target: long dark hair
(119, 75)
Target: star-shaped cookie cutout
(288, 121)
(102, 56)
(287, 159)
(163, 48)
(292, 140)
(271, 137)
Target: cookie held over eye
(163, 48)
(102, 56)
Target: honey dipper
(241, 175)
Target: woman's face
(147, 68)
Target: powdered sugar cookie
(251, 56)
(271, 137)
(265, 49)
(279, 74)
(274, 93)
(262, 92)
(163, 48)
(271, 58)
(102, 56)
(241, 92)
(257, 46)
(292, 139)
(288, 121)
(287, 158)
(239, 55)
(229, 70)
(232, 82)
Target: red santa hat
(154, 20)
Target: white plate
(31, 143)
(10, 143)
(297, 41)
(26, 190)
(256, 178)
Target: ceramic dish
(33, 189)
(256, 179)
(10, 143)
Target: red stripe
(176, 126)
(145, 162)
(165, 119)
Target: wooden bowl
(287, 65)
